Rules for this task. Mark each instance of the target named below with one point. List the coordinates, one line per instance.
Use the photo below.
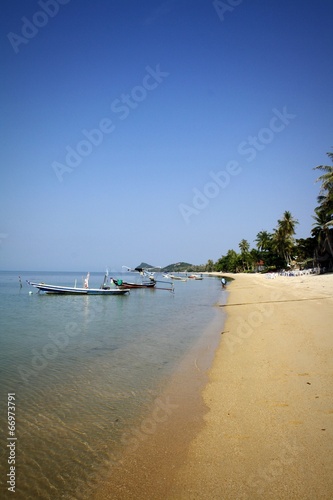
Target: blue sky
(161, 131)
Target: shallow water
(83, 368)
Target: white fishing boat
(104, 289)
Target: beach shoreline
(262, 424)
(268, 432)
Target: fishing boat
(174, 277)
(195, 277)
(128, 284)
(104, 289)
(143, 283)
(147, 283)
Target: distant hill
(178, 267)
(144, 265)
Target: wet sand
(263, 425)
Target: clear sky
(158, 131)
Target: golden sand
(269, 430)
(265, 428)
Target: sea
(78, 371)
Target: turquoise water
(83, 368)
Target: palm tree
(324, 212)
(322, 231)
(325, 198)
(283, 237)
(305, 249)
(209, 266)
(287, 224)
(244, 247)
(263, 240)
(326, 179)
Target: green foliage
(274, 250)
(305, 250)
(323, 226)
(283, 238)
(209, 267)
(229, 263)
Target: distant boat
(85, 290)
(195, 277)
(174, 277)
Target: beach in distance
(265, 425)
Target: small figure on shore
(223, 282)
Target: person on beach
(223, 282)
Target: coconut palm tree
(325, 198)
(322, 231)
(324, 212)
(283, 237)
(287, 224)
(244, 247)
(263, 240)
(326, 179)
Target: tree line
(279, 249)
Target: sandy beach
(269, 429)
(263, 425)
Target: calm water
(83, 368)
